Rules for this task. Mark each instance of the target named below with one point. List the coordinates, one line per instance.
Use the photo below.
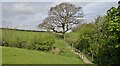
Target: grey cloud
(29, 14)
(0, 14)
(25, 13)
(60, 0)
(19, 8)
(94, 9)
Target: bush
(71, 38)
(30, 40)
(43, 44)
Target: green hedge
(31, 40)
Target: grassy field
(25, 56)
(63, 55)
(0, 55)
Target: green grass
(25, 56)
(0, 55)
(11, 37)
(60, 43)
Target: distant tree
(62, 18)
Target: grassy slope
(24, 56)
(63, 47)
(0, 47)
(0, 55)
(11, 35)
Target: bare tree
(62, 17)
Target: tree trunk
(63, 35)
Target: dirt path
(81, 55)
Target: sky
(27, 15)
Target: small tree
(62, 18)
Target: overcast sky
(27, 15)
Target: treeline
(23, 30)
(100, 41)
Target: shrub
(30, 40)
(71, 38)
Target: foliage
(71, 38)
(101, 40)
(31, 40)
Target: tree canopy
(62, 18)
